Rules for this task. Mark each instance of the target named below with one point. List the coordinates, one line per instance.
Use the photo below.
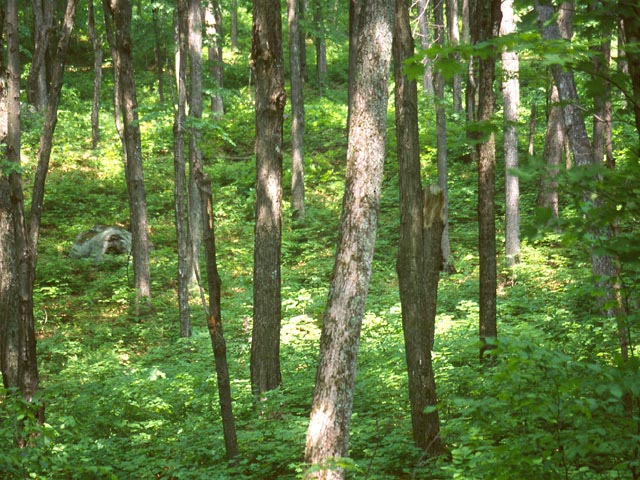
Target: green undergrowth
(126, 397)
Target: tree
(37, 81)
(417, 326)
(267, 65)
(20, 323)
(97, 79)
(185, 257)
(194, 41)
(425, 42)
(454, 40)
(120, 11)
(486, 24)
(234, 24)
(630, 16)
(328, 433)
(213, 21)
(441, 130)
(158, 52)
(297, 114)
(511, 101)
(552, 155)
(320, 43)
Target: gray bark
(328, 433)
(297, 114)
(37, 85)
(270, 99)
(158, 54)
(417, 327)
(121, 12)
(552, 155)
(454, 41)
(213, 22)
(97, 77)
(425, 42)
(511, 102)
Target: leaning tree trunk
(418, 331)
(214, 317)
(328, 433)
(179, 168)
(37, 84)
(267, 63)
(511, 101)
(121, 11)
(486, 17)
(297, 114)
(97, 77)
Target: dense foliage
(126, 397)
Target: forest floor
(127, 398)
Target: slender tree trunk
(117, 108)
(195, 134)
(267, 63)
(511, 101)
(630, 15)
(121, 12)
(97, 77)
(328, 433)
(486, 17)
(532, 129)
(470, 93)
(425, 42)
(552, 155)
(454, 41)
(303, 7)
(213, 20)
(418, 331)
(441, 131)
(234, 24)
(214, 318)
(320, 43)
(297, 115)
(179, 165)
(158, 54)
(37, 85)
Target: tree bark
(234, 24)
(328, 433)
(630, 15)
(121, 13)
(158, 54)
(486, 24)
(213, 20)
(97, 77)
(37, 84)
(320, 44)
(454, 41)
(425, 42)
(194, 38)
(532, 129)
(511, 101)
(214, 318)
(267, 64)
(441, 131)
(302, 15)
(418, 332)
(179, 167)
(297, 114)
(552, 155)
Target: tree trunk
(511, 101)
(328, 433)
(454, 41)
(195, 134)
(267, 63)
(302, 35)
(441, 131)
(214, 318)
(213, 20)
(552, 155)
(630, 15)
(532, 128)
(418, 332)
(179, 166)
(158, 54)
(37, 85)
(97, 78)
(234, 24)
(121, 12)
(117, 108)
(297, 115)
(486, 24)
(425, 42)
(320, 43)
